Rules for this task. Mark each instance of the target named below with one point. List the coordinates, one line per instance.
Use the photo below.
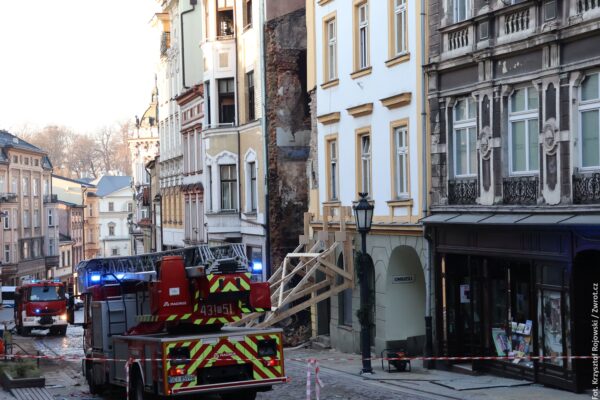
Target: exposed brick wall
(289, 125)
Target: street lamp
(363, 213)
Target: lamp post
(363, 213)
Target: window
(252, 193)
(15, 185)
(111, 229)
(26, 216)
(36, 162)
(129, 207)
(2, 189)
(25, 186)
(254, 255)
(6, 219)
(248, 14)
(401, 162)
(224, 23)
(36, 218)
(207, 94)
(7, 253)
(461, 10)
(365, 164)
(226, 101)
(36, 248)
(111, 206)
(465, 138)
(589, 110)
(16, 159)
(332, 176)
(400, 29)
(26, 160)
(331, 46)
(50, 218)
(25, 250)
(523, 127)
(210, 187)
(91, 210)
(35, 186)
(228, 187)
(250, 95)
(549, 10)
(114, 251)
(46, 187)
(362, 21)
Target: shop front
(514, 287)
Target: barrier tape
(423, 358)
(312, 362)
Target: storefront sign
(403, 279)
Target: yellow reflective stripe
(230, 287)
(177, 386)
(244, 284)
(172, 317)
(186, 316)
(215, 285)
(194, 366)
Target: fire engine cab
(41, 305)
(157, 324)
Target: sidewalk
(436, 383)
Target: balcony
(50, 198)
(52, 261)
(520, 190)
(586, 188)
(587, 5)
(462, 191)
(8, 197)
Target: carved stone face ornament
(550, 136)
(485, 143)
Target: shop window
(254, 254)
(465, 138)
(524, 127)
(589, 114)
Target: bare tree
(53, 139)
(84, 158)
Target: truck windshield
(46, 293)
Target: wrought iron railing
(586, 188)
(462, 191)
(520, 190)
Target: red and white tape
(312, 362)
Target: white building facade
(370, 137)
(115, 202)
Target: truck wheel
(62, 331)
(136, 387)
(239, 396)
(89, 376)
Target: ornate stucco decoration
(485, 143)
(550, 136)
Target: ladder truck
(157, 324)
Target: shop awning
(512, 218)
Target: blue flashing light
(37, 310)
(257, 266)
(95, 278)
(120, 276)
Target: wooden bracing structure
(295, 285)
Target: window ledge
(250, 214)
(361, 72)
(346, 327)
(400, 203)
(323, 2)
(399, 59)
(330, 84)
(332, 203)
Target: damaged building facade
(514, 101)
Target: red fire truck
(41, 305)
(156, 324)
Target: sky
(84, 64)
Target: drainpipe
(193, 4)
(424, 194)
(265, 127)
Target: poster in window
(552, 326)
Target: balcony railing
(50, 198)
(8, 197)
(520, 190)
(458, 39)
(587, 5)
(462, 191)
(586, 188)
(517, 21)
